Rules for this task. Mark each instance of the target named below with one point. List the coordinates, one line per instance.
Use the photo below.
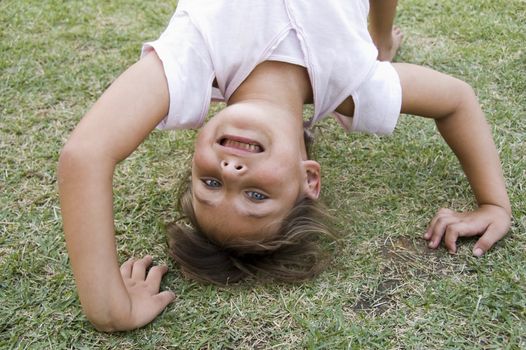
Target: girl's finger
(488, 239)
(126, 268)
(439, 229)
(155, 276)
(164, 298)
(140, 266)
(456, 230)
(453, 231)
(443, 212)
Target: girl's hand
(143, 291)
(491, 222)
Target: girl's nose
(233, 167)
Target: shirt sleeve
(377, 103)
(188, 70)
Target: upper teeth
(241, 145)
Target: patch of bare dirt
(405, 267)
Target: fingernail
(478, 252)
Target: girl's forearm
(469, 136)
(461, 122)
(85, 186)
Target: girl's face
(248, 171)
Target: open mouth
(241, 143)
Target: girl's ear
(312, 185)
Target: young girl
(252, 188)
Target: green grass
(384, 290)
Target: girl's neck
(282, 84)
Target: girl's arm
(460, 120)
(112, 298)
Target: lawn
(384, 289)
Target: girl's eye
(212, 183)
(256, 195)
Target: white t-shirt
(226, 39)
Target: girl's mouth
(241, 143)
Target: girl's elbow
(465, 95)
(67, 159)
(71, 160)
(78, 159)
(462, 102)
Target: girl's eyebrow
(204, 200)
(256, 215)
(249, 213)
